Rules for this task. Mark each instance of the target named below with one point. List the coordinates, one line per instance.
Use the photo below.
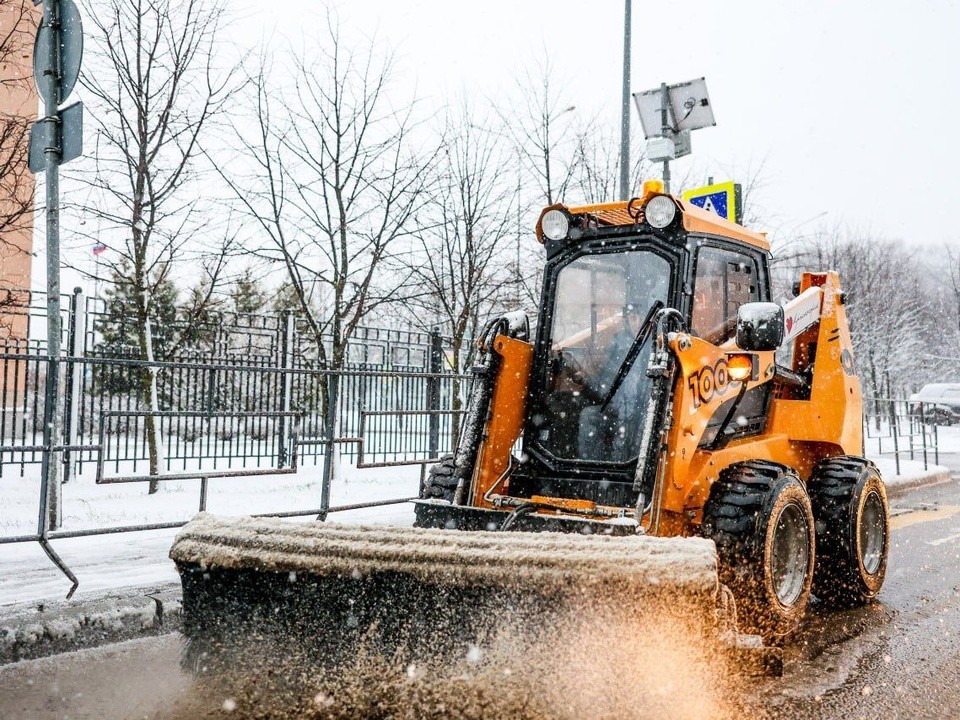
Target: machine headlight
(555, 224)
(660, 211)
(742, 367)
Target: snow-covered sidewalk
(103, 562)
(912, 474)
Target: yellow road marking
(922, 516)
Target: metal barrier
(260, 405)
(230, 366)
(901, 428)
(253, 413)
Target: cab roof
(695, 219)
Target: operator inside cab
(597, 387)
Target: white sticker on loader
(801, 312)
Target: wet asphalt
(897, 658)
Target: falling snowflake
(474, 654)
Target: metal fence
(248, 395)
(904, 429)
(219, 395)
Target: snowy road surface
(899, 658)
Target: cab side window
(724, 281)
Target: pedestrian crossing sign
(723, 199)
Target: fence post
(286, 383)
(936, 446)
(433, 390)
(78, 326)
(923, 429)
(896, 430)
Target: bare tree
(540, 123)
(461, 260)
(595, 173)
(155, 91)
(333, 182)
(17, 105)
(544, 138)
(953, 280)
(885, 302)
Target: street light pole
(625, 109)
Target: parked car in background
(940, 403)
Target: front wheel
(760, 518)
(440, 482)
(853, 530)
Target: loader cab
(589, 390)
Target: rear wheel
(440, 483)
(760, 518)
(853, 530)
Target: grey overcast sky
(849, 105)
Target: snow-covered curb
(37, 630)
(912, 475)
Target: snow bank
(912, 474)
(50, 628)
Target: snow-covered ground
(945, 438)
(140, 558)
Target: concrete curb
(36, 630)
(933, 477)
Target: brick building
(18, 106)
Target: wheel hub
(872, 533)
(790, 554)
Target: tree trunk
(148, 393)
(456, 402)
(877, 409)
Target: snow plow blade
(321, 591)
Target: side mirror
(759, 326)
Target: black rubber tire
(440, 482)
(737, 517)
(841, 489)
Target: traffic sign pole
(50, 515)
(667, 131)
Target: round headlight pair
(660, 211)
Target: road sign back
(70, 53)
(66, 142)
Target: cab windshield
(601, 302)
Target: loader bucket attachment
(320, 591)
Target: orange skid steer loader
(669, 439)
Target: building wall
(18, 106)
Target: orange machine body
(799, 431)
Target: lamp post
(625, 108)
